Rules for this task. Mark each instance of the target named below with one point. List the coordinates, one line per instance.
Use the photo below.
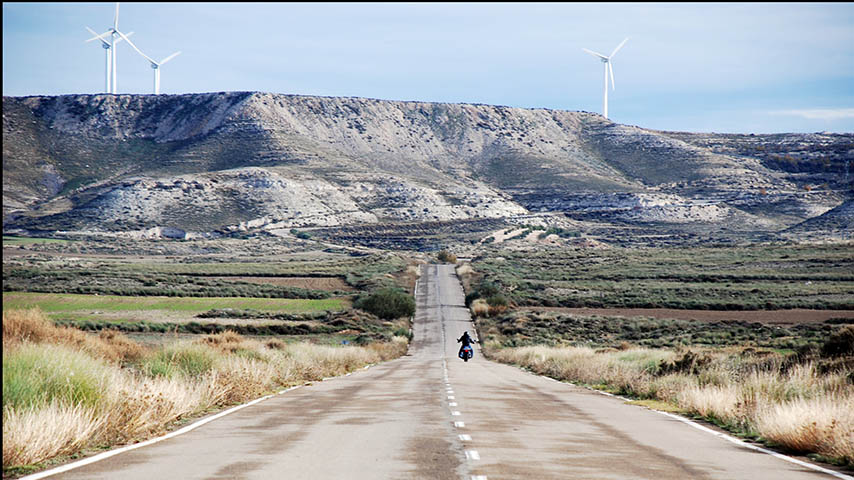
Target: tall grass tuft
(38, 375)
(824, 425)
(29, 325)
(32, 436)
(181, 358)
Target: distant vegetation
(58, 303)
(732, 278)
(12, 240)
(522, 328)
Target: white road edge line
(724, 436)
(188, 428)
(754, 447)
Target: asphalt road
(429, 415)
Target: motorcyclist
(466, 340)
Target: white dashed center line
(465, 438)
(472, 455)
(460, 424)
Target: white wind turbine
(115, 36)
(154, 64)
(609, 71)
(107, 55)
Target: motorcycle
(466, 353)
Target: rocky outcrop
(238, 161)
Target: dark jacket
(466, 339)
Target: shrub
(274, 344)
(840, 343)
(446, 257)
(387, 303)
(484, 289)
(497, 304)
(191, 360)
(497, 301)
(123, 347)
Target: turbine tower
(156, 67)
(107, 56)
(609, 71)
(115, 36)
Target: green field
(64, 303)
(10, 240)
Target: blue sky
(724, 67)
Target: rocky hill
(210, 164)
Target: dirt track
(788, 317)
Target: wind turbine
(107, 55)
(154, 64)
(609, 71)
(115, 35)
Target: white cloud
(818, 113)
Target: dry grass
(823, 425)
(718, 402)
(32, 326)
(798, 408)
(390, 350)
(479, 308)
(140, 393)
(30, 436)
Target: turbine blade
(619, 46)
(611, 71)
(170, 57)
(135, 47)
(116, 19)
(97, 37)
(595, 54)
(120, 38)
